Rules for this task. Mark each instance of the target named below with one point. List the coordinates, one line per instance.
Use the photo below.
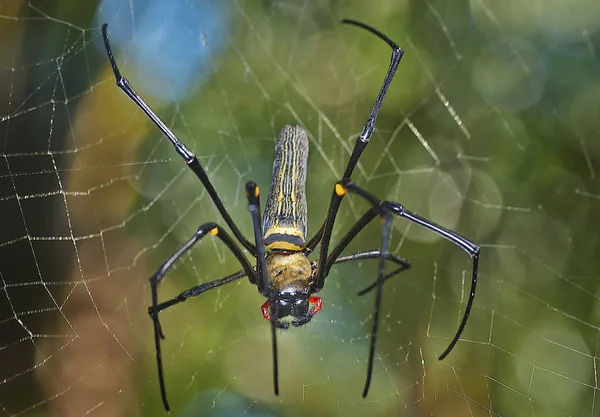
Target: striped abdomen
(284, 224)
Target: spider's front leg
(188, 156)
(324, 234)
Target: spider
(283, 272)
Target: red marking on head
(264, 309)
(318, 302)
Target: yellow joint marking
(381, 219)
(290, 231)
(284, 246)
(256, 192)
(340, 190)
(214, 231)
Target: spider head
(292, 308)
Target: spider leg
(187, 155)
(359, 147)
(349, 237)
(196, 291)
(376, 254)
(189, 293)
(253, 195)
(275, 361)
(471, 248)
(210, 229)
(385, 240)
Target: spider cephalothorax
(290, 299)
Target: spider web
(489, 129)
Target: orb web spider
(283, 273)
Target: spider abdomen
(284, 223)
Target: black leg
(158, 334)
(189, 158)
(274, 350)
(359, 147)
(210, 229)
(375, 254)
(369, 127)
(253, 195)
(314, 241)
(195, 291)
(352, 233)
(349, 237)
(471, 248)
(385, 240)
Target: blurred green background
(490, 128)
